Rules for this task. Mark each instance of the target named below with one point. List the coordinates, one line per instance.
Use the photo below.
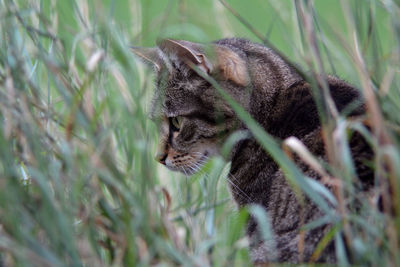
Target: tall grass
(78, 182)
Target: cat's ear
(149, 55)
(210, 59)
(232, 66)
(188, 52)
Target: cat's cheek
(175, 160)
(209, 150)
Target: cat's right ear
(149, 55)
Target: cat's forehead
(179, 89)
(178, 94)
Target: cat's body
(196, 121)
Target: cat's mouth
(187, 163)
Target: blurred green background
(78, 183)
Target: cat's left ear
(209, 59)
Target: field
(78, 182)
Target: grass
(78, 182)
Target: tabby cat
(195, 122)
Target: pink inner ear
(205, 65)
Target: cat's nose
(161, 157)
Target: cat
(195, 121)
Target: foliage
(78, 182)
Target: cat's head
(194, 119)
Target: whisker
(193, 169)
(238, 188)
(196, 166)
(183, 169)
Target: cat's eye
(176, 122)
